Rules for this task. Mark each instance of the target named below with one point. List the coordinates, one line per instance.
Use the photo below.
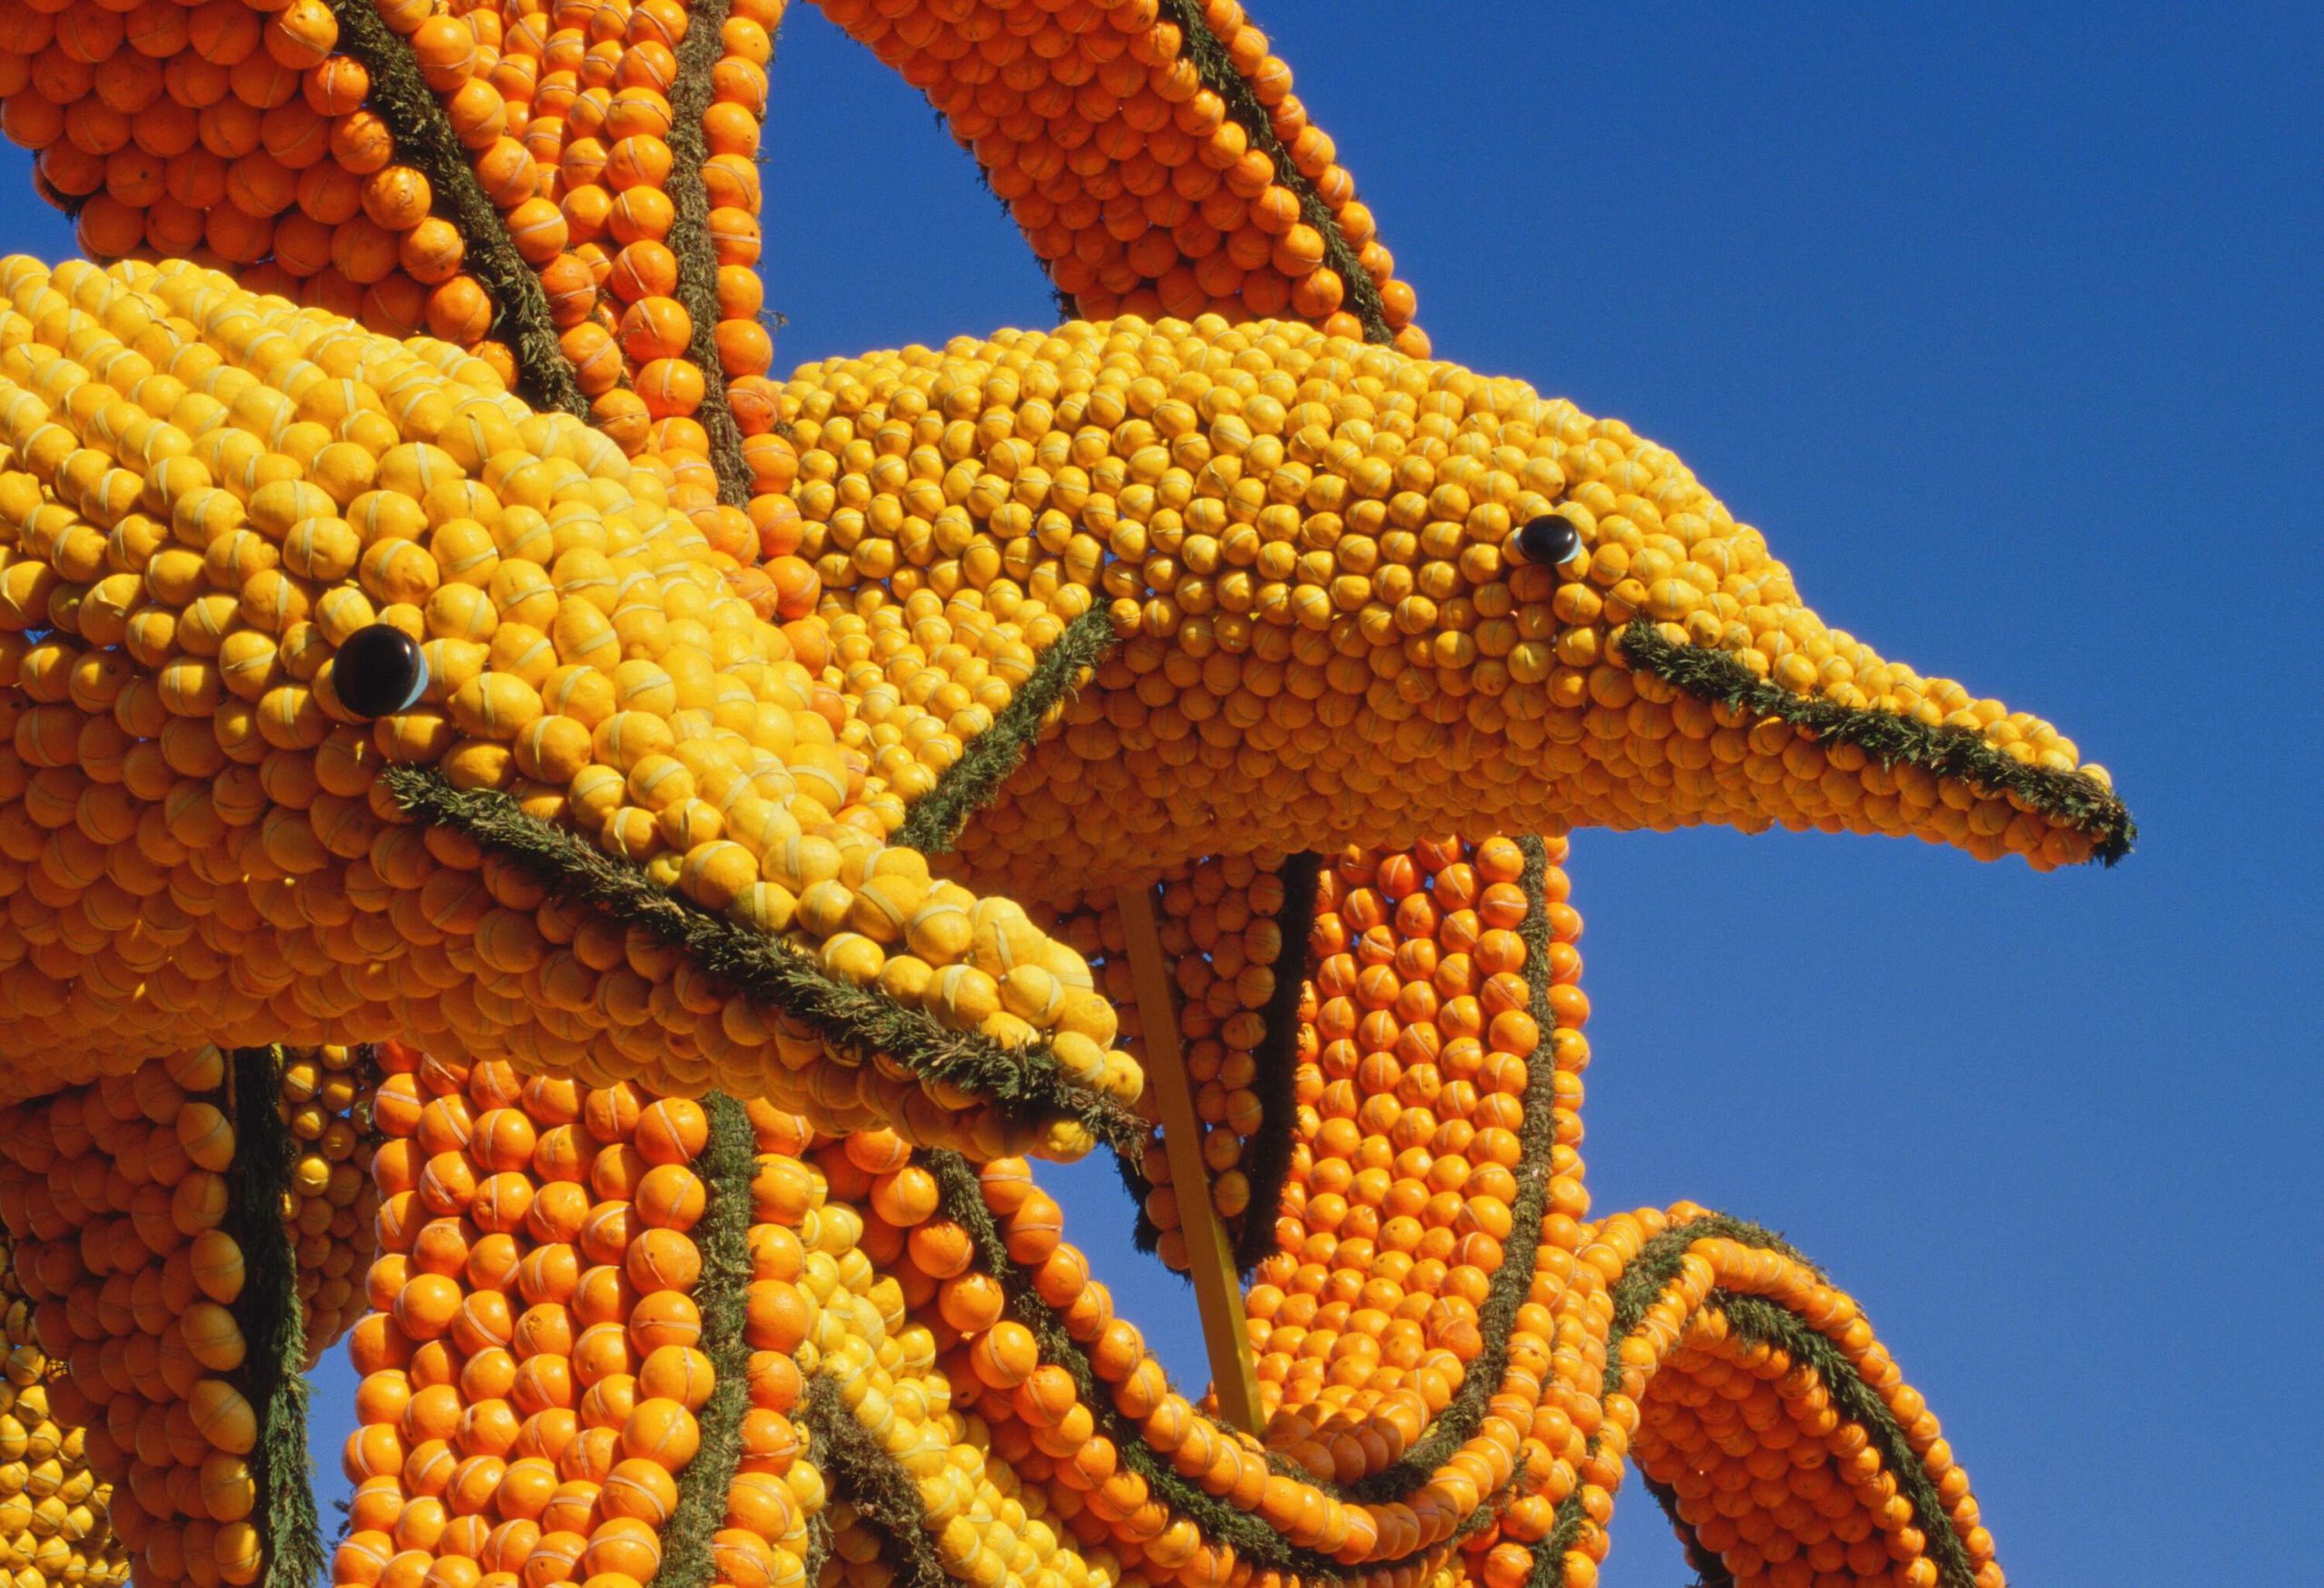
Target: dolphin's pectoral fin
(783, 1007)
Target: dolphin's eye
(379, 671)
(1549, 541)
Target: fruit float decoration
(590, 871)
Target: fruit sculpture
(518, 821)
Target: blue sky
(2002, 324)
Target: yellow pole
(1218, 1297)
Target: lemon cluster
(332, 1202)
(987, 1525)
(53, 1507)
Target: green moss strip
(1027, 1084)
(728, 1161)
(818, 1548)
(1220, 1522)
(1266, 1155)
(690, 240)
(272, 1374)
(1758, 1320)
(1217, 69)
(2074, 797)
(866, 1477)
(973, 782)
(424, 137)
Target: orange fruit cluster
(1129, 173)
(456, 52)
(1770, 1473)
(1361, 1344)
(586, 87)
(238, 135)
(534, 1367)
(116, 1196)
(241, 137)
(992, 1364)
(1403, 1173)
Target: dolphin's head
(351, 698)
(1366, 596)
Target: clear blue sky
(2003, 323)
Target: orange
(778, 1315)
(549, 1273)
(642, 161)
(537, 229)
(666, 1317)
(571, 289)
(670, 1196)
(678, 1373)
(1004, 1355)
(672, 1130)
(970, 1302)
(458, 311)
(670, 385)
(397, 198)
(640, 213)
(543, 1330)
(745, 348)
(641, 1489)
(431, 251)
(760, 1504)
(661, 1430)
(434, 1412)
(524, 1489)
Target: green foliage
(1757, 1318)
(1217, 69)
(1267, 1162)
(729, 1159)
(873, 1482)
(1252, 1539)
(272, 1374)
(1513, 1281)
(690, 240)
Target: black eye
(1549, 541)
(379, 671)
